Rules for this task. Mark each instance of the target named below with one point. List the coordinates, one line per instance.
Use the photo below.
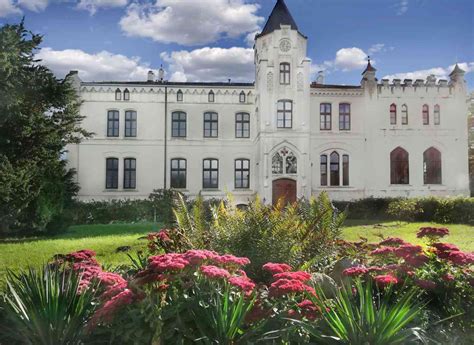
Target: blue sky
(209, 39)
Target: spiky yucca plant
(44, 307)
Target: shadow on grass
(362, 222)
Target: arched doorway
(284, 188)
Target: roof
(456, 70)
(168, 83)
(332, 86)
(280, 16)
(369, 67)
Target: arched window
(113, 123)
(111, 173)
(210, 96)
(344, 116)
(345, 170)
(393, 114)
(210, 173)
(242, 125)
(426, 114)
(334, 168)
(178, 124)
(399, 166)
(323, 167)
(284, 114)
(118, 95)
(432, 166)
(211, 125)
(130, 123)
(178, 173)
(325, 116)
(242, 97)
(404, 114)
(277, 164)
(291, 164)
(126, 95)
(285, 73)
(179, 96)
(437, 115)
(129, 173)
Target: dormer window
(118, 95)
(179, 96)
(242, 97)
(284, 73)
(211, 97)
(126, 95)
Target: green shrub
(405, 209)
(368, 208)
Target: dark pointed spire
(369, 67)
(280, 16)
(457, 70)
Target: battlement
(430, 86)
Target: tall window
(179, 96)
(345, 170)
(404, 114)
(210, 173)
(426, 114)
(432, 166)
(126, 95)
(129, 173)
(113, 123)
(118, 95)
(437, 115)
(178, 173)
(285, 73)
(111, 173)
(325, 116)
(211, 125)
(242, 173)
(399, 166)
(277, 164)
(210, 96)
(130, 123)
(242, 97)
(242, 125)
(334, 168)
(393, 114)
(323, 167)
(344, 116)
(178, 124)
(284, 114)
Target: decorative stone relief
(285, 45)
(270, 81)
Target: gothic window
(404, 114)
(242, 125)
(118, 95)
(284, 73)
(210, 173)
(179, 96)
(111, 173)
(344, 116)
(113, 123)
(284, 114)
(334, 168)
(210, 125)
(325, 116)
(129, 173)
(345, 170)
(432, 166)
(426, 114)
(178, 124)
(323, 167)
(399, 166)
(126, 95)
(277, 164)
(393, 114)
(437, 115)
(178, 173)
(242, 173)
(130, 123)
(291, 164)
(211, 97)
(242, 97)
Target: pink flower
(214, 272)
(392, 241)
(355, 271)
(425, 284)
(276, 268)
(231, 260)
(444, 249)
(309, 310)
(243, 283)
(81, 255)
(432, 232)
(167, 262)
(461, 258)
(162, 235)
(289, 286)
(448, 277)
(196, 256)
(383, 251)
(384, 280)
(407, 250)
(108, 310)
(109, 279)
(113, 290)
(375, 269)
(298, 275)
(416, 260)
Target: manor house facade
(281, 136)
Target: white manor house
(281, 136)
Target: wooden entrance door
(284, 188)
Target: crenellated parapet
(419, 88)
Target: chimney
(320, 77)
(161, 74)
(151, 76)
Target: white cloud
(211, 64)
(190, 22)
(348, 59)
(438, 72)
(93, 5)
(379, 48)
(250, 38)
(402, 7)
(34, 5)
(98, 67)
(7, 8)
